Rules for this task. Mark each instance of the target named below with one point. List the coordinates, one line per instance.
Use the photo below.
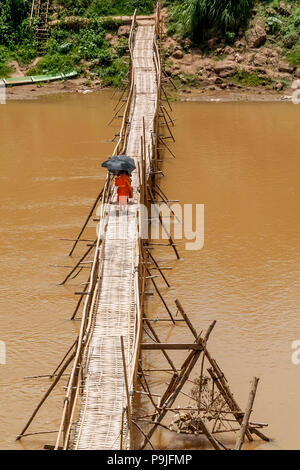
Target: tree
(12, 14)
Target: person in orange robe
(123, 182)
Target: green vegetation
(69, 45)
(248, 79)
(283, 28)
(4, 57)
(200, 19)
(13, 24)
(84, 36)
(294, 57)
(96, 8)
(17, 39)
(255, 79)
(68, 49)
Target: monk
(125, 191)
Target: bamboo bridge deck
(116, 299)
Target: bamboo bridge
(105, 360)
(108, 344)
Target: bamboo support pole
(145, 436)
(157, 266)
(189, 358)
(166, 122)
(116, 113)
(245, 422)
(167, 147)
(167, 204)
(173, 396)
(179, 382)
(147, 389)
(122, 94)
(185, 317)
(166, 97)
(158, 340)
(223, 389)
(128, 408)
(172, 346)
(160, 295)
(207, 433)
(80, 261)
(121, 429)
(86, 221)
(171, 120)
(170, 80)
(80, 299)
(162, 224)
(61, 362)
(46, 395)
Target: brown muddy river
(241, 160)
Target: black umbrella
(119, 163)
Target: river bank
(78, 85)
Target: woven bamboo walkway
(116, 306)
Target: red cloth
(123, 182)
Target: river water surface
(238, 159)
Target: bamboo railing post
(245, 422)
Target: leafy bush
(290, 29)
(274, 24)
(89, 43)
(247, 78)
(54, 63)
(122, 46)
(294, 57)
(289, 39)
(230, 37)
(114, 74)
(105, 57)
(25, 52)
